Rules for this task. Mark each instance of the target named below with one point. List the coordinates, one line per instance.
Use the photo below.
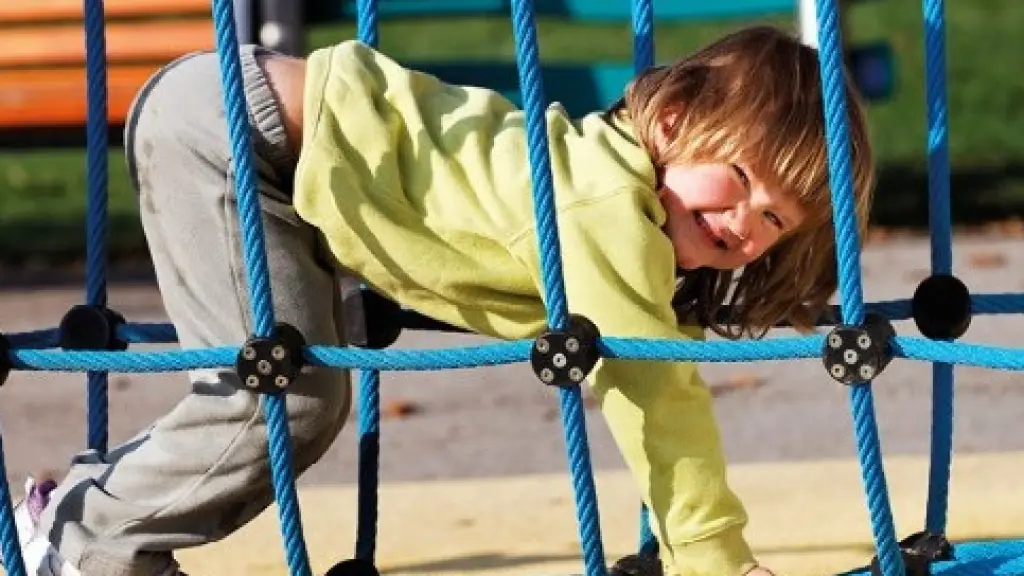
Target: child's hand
(760, 571)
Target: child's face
(721, 216)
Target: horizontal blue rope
(914, 348)
(148, 333)
(164, 333)
(714, 351)
(997, 303)
(132, 333)
(979, 355)
(34, 339)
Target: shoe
(40, 558)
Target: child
(714, 164)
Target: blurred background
(587, 49)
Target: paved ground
(500, 421)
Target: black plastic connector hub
(941, 307)
(857, 354)
(919, 551)
(6, 365)
(353, 567)
(271, 365)
(91, 327)
(382, 318)
(637, 565)
(565, 358)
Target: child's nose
(742, 224)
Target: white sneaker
(40, 558)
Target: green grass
(42, 198)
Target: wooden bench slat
(30, 11)
(40, 47)
(56, 98)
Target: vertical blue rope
(96, 220)
(942, 255)
(642, 17)
(367, 24)
(643, 34)
(584, 490)
(848, 258)
(369, 380)
(369, 463)
(571, 405)
(258, 280)
(532, 87)
(10, 547)
(648, 545)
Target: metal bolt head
(263, 367)
(559, 360)
(864, 341)
(281, 381)
(866, 372)
(835, 341)
(278, 352)
(850, 356)
(543, 346)
(838, 371)
(575, 374)
(252, 381)
(547, 375)
(249, 353)
(572, 345)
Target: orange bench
(42, 62)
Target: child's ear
(669, 117)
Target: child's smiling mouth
(709, 234)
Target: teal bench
(583, 10)
(590, 86)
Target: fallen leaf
(399, 408)
(987, 260)
(738, 381)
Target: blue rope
(13, 561)
(942, 255)
(164, 333)
(571, 399)
(642, 17)
(911, 348)
(369, 380)
(851, 294)
(369, 463)
(367, 22)
(532, 88)
(258, 280)
(96, 219)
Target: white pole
(807, 15)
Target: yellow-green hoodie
(423, 189)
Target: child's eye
(774, 219)
(741, 174)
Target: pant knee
(317, 406)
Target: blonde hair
(754, 96)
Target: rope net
(853, 319)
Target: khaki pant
(203, 470)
